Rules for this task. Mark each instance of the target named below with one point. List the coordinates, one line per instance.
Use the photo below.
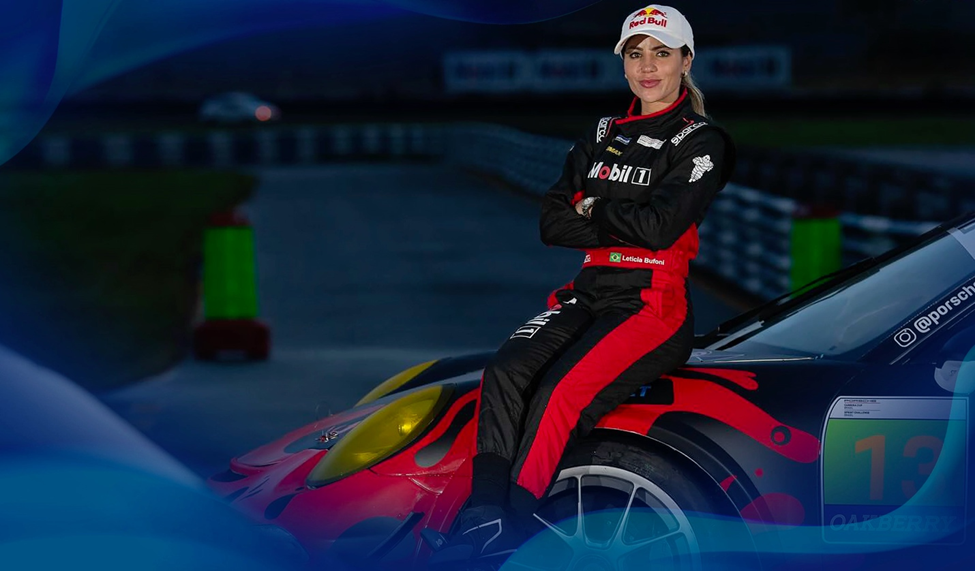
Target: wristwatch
(587, 206)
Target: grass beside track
(99, 270)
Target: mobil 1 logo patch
(534, 325)
(620, 173)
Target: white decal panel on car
(894, 470)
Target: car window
(852, 317)
(952, 338)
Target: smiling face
(654, 71)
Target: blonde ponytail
(693, 91)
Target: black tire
(676, 519)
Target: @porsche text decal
(934, 315)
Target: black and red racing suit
(626, 317)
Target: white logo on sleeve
(701, 166)
(602, 129)
(676, 139)
(529, 329)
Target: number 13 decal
(876, 446)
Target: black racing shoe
(484, 534)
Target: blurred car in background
(826, 425)
(238, 107)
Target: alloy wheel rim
(603, 518)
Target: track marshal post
(230, 325)
(815, 243)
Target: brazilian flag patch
(615, 257)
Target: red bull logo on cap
(652, 12)
(649, 16)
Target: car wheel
(617, 506)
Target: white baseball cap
(661, 22)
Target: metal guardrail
(745, 237)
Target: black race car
(831, 423)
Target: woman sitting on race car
(631, 196)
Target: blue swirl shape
(58, 47)
(495, 11)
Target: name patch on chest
(620, 173)
(650, 142)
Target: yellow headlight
(379, 436)
(395, 382)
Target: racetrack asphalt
(363, 270)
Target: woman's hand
(584, 207)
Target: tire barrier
(868, 236)
(748, 238)
(221, 148)
(530, 162)
(853, 184)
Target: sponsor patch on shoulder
(602, 129)
(701, 166)
(687, 131)
(622, 139)
(650, 142)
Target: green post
(816, 244)
(229, 279)
(230, 324)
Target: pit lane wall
(745, 239)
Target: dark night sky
(851, 41)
